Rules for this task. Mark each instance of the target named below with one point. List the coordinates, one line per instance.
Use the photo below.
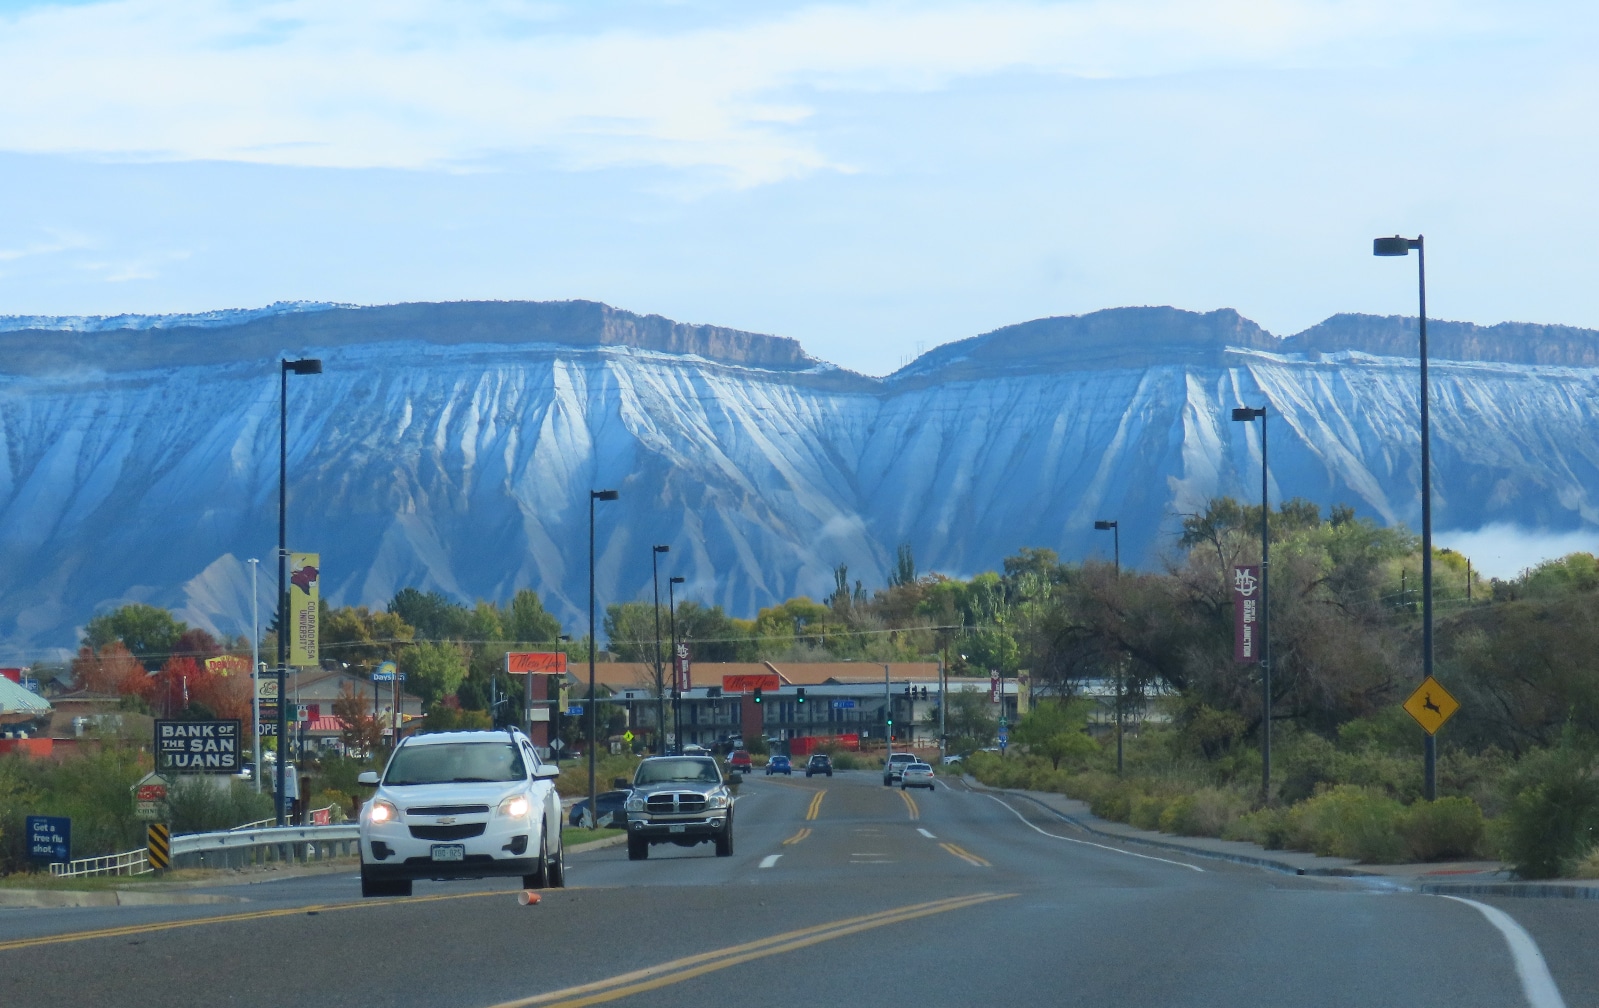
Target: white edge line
(925, 833)
(1088, 843)
(1536, 982)
(769, 860)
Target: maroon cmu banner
(1246, 614)
(680, 663)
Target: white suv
(467, 804)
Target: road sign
(627, 736)
(575, 710)
(49, 838)
(1431, 705)
(158, 845)
(843, 704)
(557, 744)
(198, 746)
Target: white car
(916, 775)
(466, 804)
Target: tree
(970, 721)
(111, 670)
(433, 669)
(630, 631)
(1055, 730)
(527, 620)
(150, 634)
(434, 616)
(360, 637)
(361, 730)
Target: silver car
(916, 775)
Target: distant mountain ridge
(452, 447)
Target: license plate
(677, 829)
(449, 852)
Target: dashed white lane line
(1086, 843)
(769, 860)
(1536, 983)
(925, 833)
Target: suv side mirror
(367, 778)
(546, 772)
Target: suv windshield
(689, 768)
(455, 763)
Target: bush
(1442, 829)
(1145, 811)
(1552, 811)
(201, 804)
(1349, 821)
(1268, 827)
(1206, 812)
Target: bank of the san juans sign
(197, 746)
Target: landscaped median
(1357, 803)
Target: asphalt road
(840, 891)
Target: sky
(872, 179)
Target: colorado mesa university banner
(1246, 614)
(305, 589)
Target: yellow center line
(678, 970)
(816, 805)
(132, 929)
(910, 803)
(966, 855)
(797, 837)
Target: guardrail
(235, 848)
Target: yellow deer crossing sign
(1431, 705)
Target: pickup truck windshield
(665, 771)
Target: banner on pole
(1246, 613)
(305, 591)
(680, 666)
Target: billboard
(305, 590)
(198, 746)
(228, 664)
(745, 683)
(536, 662)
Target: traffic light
(908, 690)
(799, 695)
(757, 694)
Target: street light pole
(660, 677)
(255, 665)
(304, 366)
(1245, 414)
(1398, 246)
(1114, 527)
(594, 735)
(677, 684)
(888, 718)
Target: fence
(252, 843)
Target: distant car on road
(610, 804)
(951, 760)
(738, 761)
(897, 762)
(779, 764)
(819, 763)
(916, 775)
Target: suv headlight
(718, 800)
(634, 803)
(381, 811)
(516, 806)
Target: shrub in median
(1145, 811)
(1206, 812)
(1553, 809)
(1349, 821)
(1443, 829)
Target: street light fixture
(304, 366)
(1399, 246)
(677, 684)
(594, 734)
(1116, 533)
(1246, 414)
(660, 676)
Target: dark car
(610, 803)
(779, 764)
(819, 763)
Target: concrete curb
(1582, 890)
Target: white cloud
(1505, 551)
(435, 84)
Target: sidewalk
(1458, 878)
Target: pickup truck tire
(638, 848)
(724, 842)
